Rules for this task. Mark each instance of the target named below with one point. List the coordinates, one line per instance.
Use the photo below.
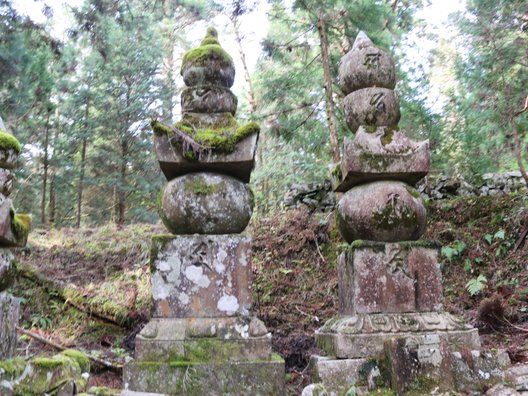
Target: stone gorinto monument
(390, 283)
(202, 339)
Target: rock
(7, 269)
(385, 211)
(337, 376)
(201, 276)
(6, 181)
(365, 65)
(206, 203)
(501, 390)
(389, 277)
(383, 154)
(371, 107)
(9, 313)
(474, 369)
(14, 227)
(518, 377)
(314, 390)
(208, 99)
(257, 327)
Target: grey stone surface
(336, 375)
(7, 236)
(371, 107)
(387, 211)
(8, 158)
(6, 181)
(218, 339)
(501, 390)
(262, 377)
(201, 276)
(389, 278)
(9, 314)
(383, 154)
(518, 376)
(478, 370)
(7, 269)
(238, 164)
(214, 71)
(206, 203)
(366, 65)
(363, 335)
(208, 99)
(314, 390)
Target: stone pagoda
(390, 285)
(14, 229)
(202, 338)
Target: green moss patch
(205, 53)
(79, 357)
(47, 363)
(21, 225)
(9, 142)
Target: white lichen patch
(195, 274)
(160, 289)
(183, 298)
(243, 259)
(219, 262)
(228, 304)
(243, 330)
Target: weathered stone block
(208, 99)
(389, 278)
(478, 370)
(372, 107)
(9, 313)
(7, 269)
(366, 65)
(206, 203)
(8, 158)
(260, 377)
(363, 335)
(201, 276)
(238, 163)
(387, 211)
(211, 339)
(419, 364)
(6, 181)
(336, 375)
(384, 154)
(518, 377)
(14, 229)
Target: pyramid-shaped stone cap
(208, 64)
(366, 65)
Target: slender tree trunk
(52, 217)
(168, 87)
(46, 166)
(80, 186)
(517, 140)
(330, 112)
(121, 197)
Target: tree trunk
(80, 186)
(46, 166)
(52, 217)
(330, 112)
(168, 86)
(121, 195)
(517, 139)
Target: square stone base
(257, 377)
(363, 336)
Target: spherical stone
(366, 65)
(208, 99)
(371, 107)
(206, 203)
(387, 211)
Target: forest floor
(89, 288)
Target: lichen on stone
(9, 142)
(21, 223)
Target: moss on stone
(103, 391)
(200, 187)
(79, 357)
(414, 192)
(387, 136)
(209, 41)
(205, 53)
(9, 142)
(160, 128)
(47, 363)
(189, 155)
(20, 225)
(12, 367)
(370, 128)
(389, 218)
(337, 172)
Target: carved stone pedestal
(202, 339)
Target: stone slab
(476, 370)
(7, 269)
(238, 164)
(9, 314)
(217, 339)
(8, 238)
(259, 377)
(336, 375)
(201, 275)
(518, 377)
(397, 277)
(381, 154)
(363, 335)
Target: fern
(476, 285)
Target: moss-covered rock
(9, 142)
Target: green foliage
(453, 250)
(476, 285)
